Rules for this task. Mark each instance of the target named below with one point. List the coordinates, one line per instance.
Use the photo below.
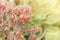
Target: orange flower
(18, 34)
(38, 29)
(21, 17)
(2, 5)
(16, 11)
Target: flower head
(16, 10)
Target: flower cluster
(9, 17)
(20, 15)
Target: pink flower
(26, 17)
(32, 37)
(31, 30)
(6, 10)
(2, 5)
(24, 9)
(12, 17)
(31, 8)
(8, 25)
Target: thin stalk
(2, 31)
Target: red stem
(2, 33)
